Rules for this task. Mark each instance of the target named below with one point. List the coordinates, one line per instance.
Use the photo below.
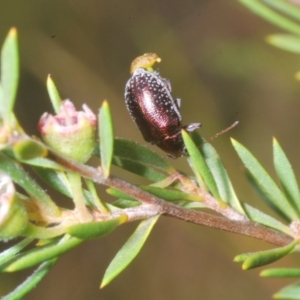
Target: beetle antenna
(224, 130)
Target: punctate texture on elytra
(156, 113)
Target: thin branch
(247, 228)
(160, 206)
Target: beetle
(151, 106)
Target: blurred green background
(215, 56)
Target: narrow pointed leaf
(43, 233)
(242, 257)
(125, 203)
(287, 8)
(124, 200)
(106, 138)
(23, 179)
(281, 272)
(170, 194)
(118, 194)
(28, 148)
(12, 251)
(265, 197)
(57, 180)
(286, 176)
(94, 198)
(262, 258)
(193, 205)
(31, 282)
(138, 168)
(221, 177)
(291, 292)
(53, 94)
(9, 72)
(129, 250)
(41, 254)
(264, 219)
(166, 194)
(93, 230)
(142, 155)
(45, 163)
(266, 183)
(271, 16)
(199, 166)
(285, 41)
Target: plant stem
(162, 207)
(78, 198)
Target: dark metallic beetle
(150, 103)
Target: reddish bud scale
(156, 113)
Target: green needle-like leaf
(125, 203)
(93, 230)
(199, 166)
(285, 41)
(145, 162)
(106, 138)
(265, 197)
(166, 194)
(44, 233)
(286, 176)
(94, 198)
(53, 94)
(118, 194)
(262, 258)
(288, 9)
(31, 282)
(12, 251)
(139, 168)
(221, 177)
(291, 292)
(23, 179)
(281, 272)
(41, 254)
(57, 180)
(129, 250)
(44, 163)
(9, 73)
(271, 16)
(170, 195)
(242, 257)
(264, 219)
(27, 148)
(265, 182)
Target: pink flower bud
(70, 132)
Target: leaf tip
(49, 79)
(269, 38)
(263, 273)
(297, 76)
(8, 270)
(183, 132)
(105, 104)
(13, 32)
(103, 284)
